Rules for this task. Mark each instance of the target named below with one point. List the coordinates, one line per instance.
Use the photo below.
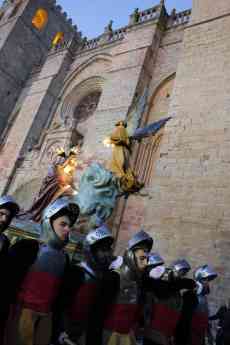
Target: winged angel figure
(121, 142)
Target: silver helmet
(98, 234)
(139, 239)
(180, 267)
(53, 209)
(205, 272)
(103, 236)
(154, 260)
(6, 201)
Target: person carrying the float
(119, 301)
(222, 316)
(183, 328)
(155, 269)
(199, 325)
(39, 270)
(81, 285)
(8, 210)
(166, 300)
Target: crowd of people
(103, 300)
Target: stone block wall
(186, 70)
(114, 70)
(188, 212)
(138, 210)
(208, 10)
(23, 47)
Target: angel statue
(58, 182)
(121, 142)
(120, 163)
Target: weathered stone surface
(22, 48)
(185, 66)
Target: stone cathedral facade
(59, 89)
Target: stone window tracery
(83, 111)
(87, 107)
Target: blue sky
(91, 16)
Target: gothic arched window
(40, 19)
(87, 106)
(58, 39)
(83, 111)
(148, 148)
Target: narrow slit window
(58, 39)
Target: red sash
(164, 319)
(38, 291)
(82, 302)
(199, 327)
(122, 318)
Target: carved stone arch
(95, 58)
(25, 193)
(158, 109)
(74, 109)
(83, 83)
(136, 212)
(162, 92)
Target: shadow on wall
(25, 193)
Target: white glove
(116, 263)
(64, 339)
(157, 272)
(199, 288)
